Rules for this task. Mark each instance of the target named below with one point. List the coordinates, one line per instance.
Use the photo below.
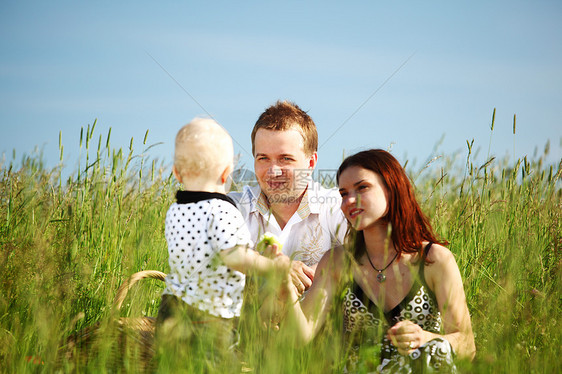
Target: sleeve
(169, 224)
(227, 228)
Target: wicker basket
(135, 330)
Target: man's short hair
(285, 115)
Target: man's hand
(302, 276)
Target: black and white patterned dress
(366, 325)
(198, 226)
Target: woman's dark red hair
(410, 227)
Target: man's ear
(176, 173)
(313, 160)
(226, 172)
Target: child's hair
(284, 115)
(202, 147)
(410, 227)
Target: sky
(419, 78)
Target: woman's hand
(407, 336)
(273, 307)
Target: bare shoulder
(332, 262)
(442, 266)
(440, 255)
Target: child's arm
(246, 260)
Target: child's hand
(269, 245)
(272, 251)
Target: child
(209, 252)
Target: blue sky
(133, 66)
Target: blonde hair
(203, 147)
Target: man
(305, 217)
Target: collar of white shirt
(309, 203)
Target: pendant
(381, 277)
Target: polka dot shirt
(198, 226)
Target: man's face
(281, 165)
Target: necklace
(380, 276)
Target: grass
(68, 243)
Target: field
(67, 243)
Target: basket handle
(124, 289)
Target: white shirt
(198, 227)
(316, 226)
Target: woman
(404, 307)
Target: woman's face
(364, 197)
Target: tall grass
(68, 243)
